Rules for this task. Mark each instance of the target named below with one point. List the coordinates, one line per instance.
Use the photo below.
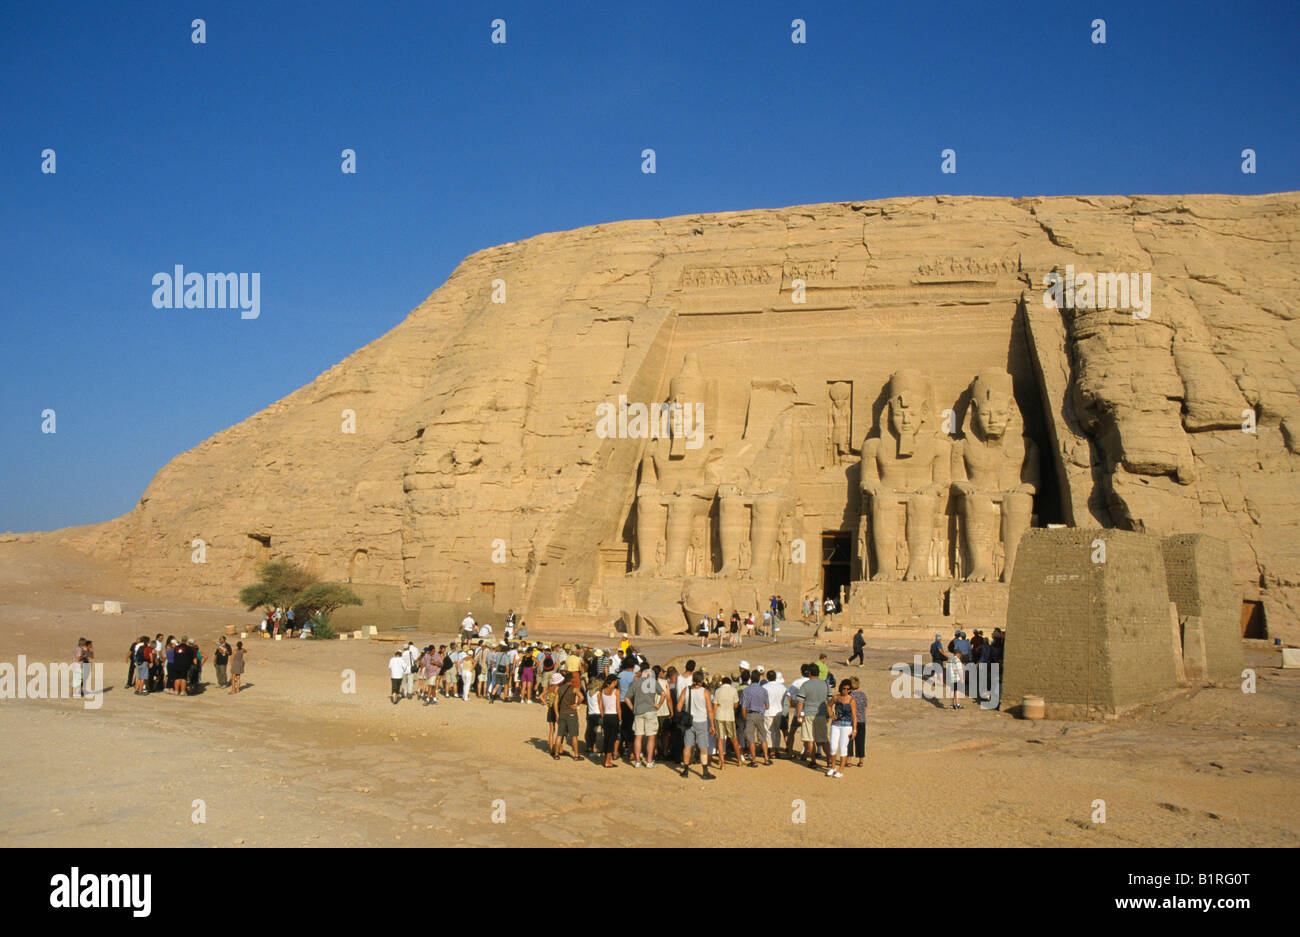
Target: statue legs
(920, 533)
(979, 515)
(1017, 508)
(651, 514)
(763, 534)
(884, 526)
(731, 529)
(683, 509)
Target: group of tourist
(635, 710)
(513, 629)
(281, 619)
(176, 665)
(963, 651)
(730, 633)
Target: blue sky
(226, 157)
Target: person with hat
(466, 665)
(568, 695)
(467, 628)
(552, 717)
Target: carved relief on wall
(839, 429)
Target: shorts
(397, 684)
(840, 739)
(697, 736)
(726, 729)
(755, 728)
(567, 725)
(645, 724)
(814, 730)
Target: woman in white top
(609, 703)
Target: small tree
(281, 583)
(325, 597)
(278, 583)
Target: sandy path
(296, 761)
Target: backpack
(684, 719)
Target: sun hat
(557, 678)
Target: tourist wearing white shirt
(398, 668)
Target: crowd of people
(963, 651)
(285, 620)
(175, 665)
(641, 714)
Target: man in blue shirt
(626, 674)
(753, 700)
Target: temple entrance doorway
(837, 552)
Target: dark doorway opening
(837, 554)
(1252, 620)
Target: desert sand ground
(295, 761)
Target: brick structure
(1091, 635)
(1198, 570)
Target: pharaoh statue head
(910, 408)
(992, 405)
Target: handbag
(683, 718)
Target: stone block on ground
(1194, 657)
(1091, 638)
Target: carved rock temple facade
(871, 401)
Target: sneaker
(649, 764)
(686, 773)
(636, 764)
(830, 773)
(837, 775)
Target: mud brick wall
(1090, 638)
(1199, 573)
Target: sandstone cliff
(476, 459)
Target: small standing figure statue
(839, 432)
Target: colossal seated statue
(678, 481)
(906, 467)
(995, 473)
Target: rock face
(592, 419)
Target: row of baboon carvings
(910, 471)
(752, 274)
